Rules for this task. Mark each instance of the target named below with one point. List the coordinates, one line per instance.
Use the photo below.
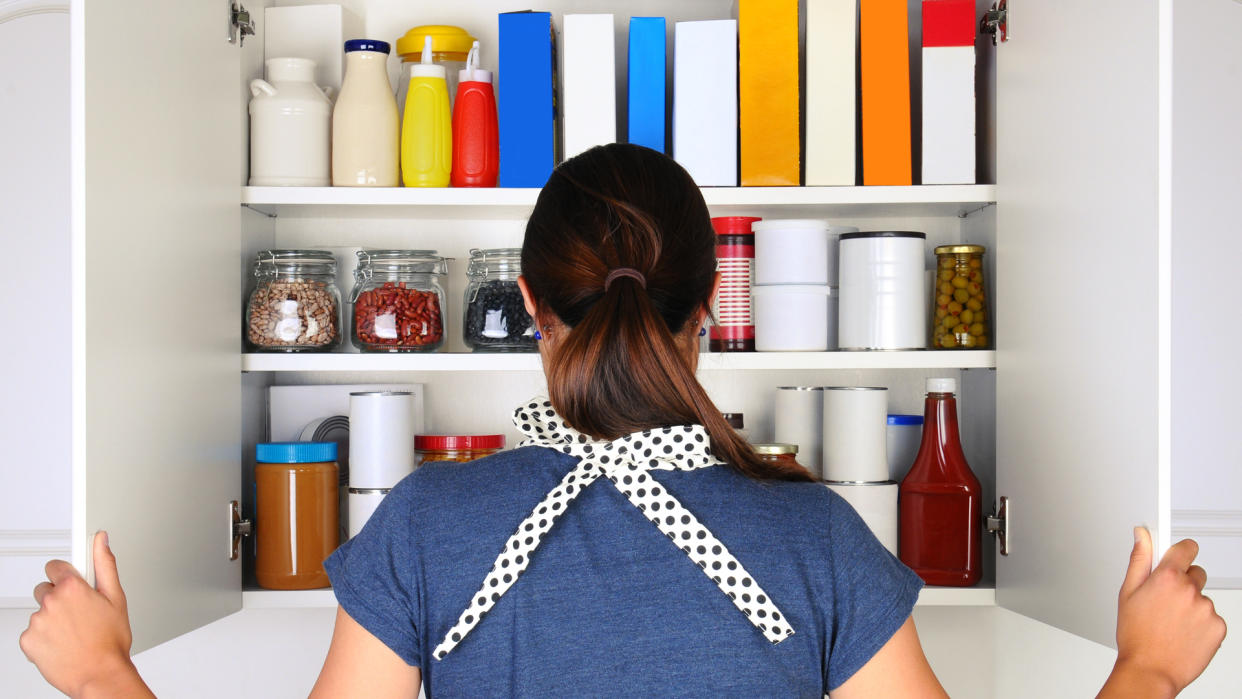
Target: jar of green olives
(960, 317)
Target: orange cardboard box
(885, 54)
(768, 92)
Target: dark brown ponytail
(620, 369)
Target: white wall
(34, 343)
(1207, 286)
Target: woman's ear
(530, 300)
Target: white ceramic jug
(290, 127)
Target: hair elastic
(624, 272)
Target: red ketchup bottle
(476, 137)
(941, 501)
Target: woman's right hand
(1167, 630)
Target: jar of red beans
(398, 301)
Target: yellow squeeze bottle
(427, 126)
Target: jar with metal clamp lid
(495, 317)
(295, 305)
(398, 301)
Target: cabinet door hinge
(998, 525)
(996, 21)
(238, 528)
(241, 25)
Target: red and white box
(948, 91)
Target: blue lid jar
(295, 452)
(367, 45)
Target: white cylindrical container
(362, 504)
(381, 438)
(883, 294)
(834, 247)
(365, 128)
(876, 503)
(855, 419)
(791, 318)
(798, 418)
(903, 436)
(290, 127)
(791, 251)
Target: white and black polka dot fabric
(625, 463)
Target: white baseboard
(1219, 533)
(48, 543)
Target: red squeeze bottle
(476, 136)
(940, 500)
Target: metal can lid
(460, 442)
(883, 234)
(770, 449)
(960, 250)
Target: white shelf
(506, 203)
(308, 599)
(734, 361)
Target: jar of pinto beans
(398, 301)
(294, 305)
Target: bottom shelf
(309, 599)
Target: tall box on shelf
(526, 99)
(768, 92)
(646, 82)
(948, 92)
(885, 87)
(589, 87)
(705, 100)
(317, 32)
(831, 92)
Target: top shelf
(507, 203)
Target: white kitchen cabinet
(1073, 426)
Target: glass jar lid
(400, 261)
(960, 250)
(273, 262)
(494, 261)
(773, 449)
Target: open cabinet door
(1082, 345)
(156, 244)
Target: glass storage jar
(295, 305)
(495, 317)
(960, 318)
(778, 454)
(398, 301)
(460, 448)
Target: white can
(876, 503)
(290, 127)
(381, 438)
(791, 251)
(904, 434)
(362, 504)
(791, 318)
(798, 418)
(883, 294)
(855, 449)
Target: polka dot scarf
(625, 462)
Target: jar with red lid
(461, 448)
(734, 326)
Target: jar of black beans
(495, 317)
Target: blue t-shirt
(609, 605)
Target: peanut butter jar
(297, 513)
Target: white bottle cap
(942, 385)
(472, 71)
(426, 68)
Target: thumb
(107, 581)
(1140, 562)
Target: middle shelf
(708, 361)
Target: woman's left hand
(80, 636)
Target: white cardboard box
(705, 101)
(317, 32)
(588, 82)
(831, 92)
(949, 115)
